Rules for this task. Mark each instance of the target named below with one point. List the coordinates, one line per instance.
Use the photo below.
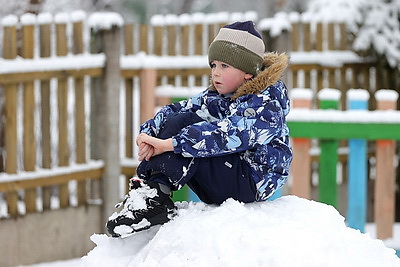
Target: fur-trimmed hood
(274, 65)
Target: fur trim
(274, 65)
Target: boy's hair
(239, 45)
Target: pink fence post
(301, 165)
(385, 173)
(148, 82)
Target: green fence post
(328, 99)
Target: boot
(144, 206)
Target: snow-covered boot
(144, 206)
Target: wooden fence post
(148, 82)
(112, 82)
(79, 87)
(384, 208)
(29, 141)
(128, 45)
(301, 165)
(62, 101)
(329, 99)
(11, 95)
(45, 19)
(105, 104)
(357, 167)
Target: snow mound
(289, 231)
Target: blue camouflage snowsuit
(242, 138)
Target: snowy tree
(375, 25)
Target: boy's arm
(242, 130)
(153, 126)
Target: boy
(229, 141)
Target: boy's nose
(215, 72)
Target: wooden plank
(307, 44)
(198, 39)
(47, 75)
(212, 32)
(185, 33)
(11, 94)
(128, 171)
(129, 118)
(143, 39)
(319, 37)
(79, 87)
(295, 37)
(343, 36)
(62, 97)
(80, 126)
(10, 106)
(45, 52)
(385, 184)
(12, 203)
(327, 172)
(128, 39)
(183, 72)
(29, 141)
(384, 207)
(301, 168)
(171, 40)
(77, 37)
(301, 164)
(331, 36)
(148, 78)
(342, 130)
(158, 32)
(328, 161)
(63, 148)
(357, 175)
(112, 115)
(56, 179)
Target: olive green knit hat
(239, 45)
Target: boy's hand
(150, 146)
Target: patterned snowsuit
(250, 124)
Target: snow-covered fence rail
(357, 125)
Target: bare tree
(35, 6)
(186, 6)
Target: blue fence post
(357, 99)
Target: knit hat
(239, 45)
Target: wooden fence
(322, 56)
(357, 125)
(61, 80)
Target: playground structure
(63, 119)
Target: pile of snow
(289, 231)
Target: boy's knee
(176, 122)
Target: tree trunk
(34, 7)
(186, 6)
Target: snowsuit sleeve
(253, 120)
(153, 126)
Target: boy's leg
(213, 179)
(156, 167)
(176, 122)
(220, 178)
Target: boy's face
(227, 79)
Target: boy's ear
(248, 76)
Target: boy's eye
(225, 66)
(212, 65)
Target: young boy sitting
(229, 141)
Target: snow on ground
(289, 231)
